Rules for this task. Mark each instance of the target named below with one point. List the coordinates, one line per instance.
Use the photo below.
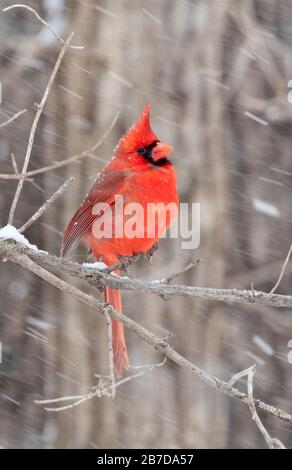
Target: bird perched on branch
(129, 207)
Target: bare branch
(148, 366)
(46, 205)
(282, 271)
(15, 167)
(79, 400)
(110, 354)
(25, 261)
(66, 161)
(182, 271)
(32, 10)
(15, 116)
(101, 278)
(272, 443)
(237, 377)
(101, 389)
(40, 108)
(14, 164)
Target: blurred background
(217, 74)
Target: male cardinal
(141, 173)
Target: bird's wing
(107, 185)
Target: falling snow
(265, 207)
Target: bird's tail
(120, 353)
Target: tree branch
(272, 442)
(110, 355)
(66, 161)
(12, 118)
(101, 278)
(9, 250)
(100, 390)
(40, 108)
(281, 275)
(41, 20)
(46, 205)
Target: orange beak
(161, 151)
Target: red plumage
(141, 173)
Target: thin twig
(110, 354)
(66, 161)
(15, 167)
(282, 271)
(15, 116)
(148, 366)
(272, 442)
(32, 10)
(46, 205)
(59, 399)
(81, 400)
(99, 391)
(237, 377)
(40, 108)
(182, 271)
(14, 164)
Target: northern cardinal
(140, 172)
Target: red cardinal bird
(141, 173)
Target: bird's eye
(142, 150)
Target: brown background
(202, 64)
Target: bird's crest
(140, 134)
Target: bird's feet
(148, 255)
(126, 261)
